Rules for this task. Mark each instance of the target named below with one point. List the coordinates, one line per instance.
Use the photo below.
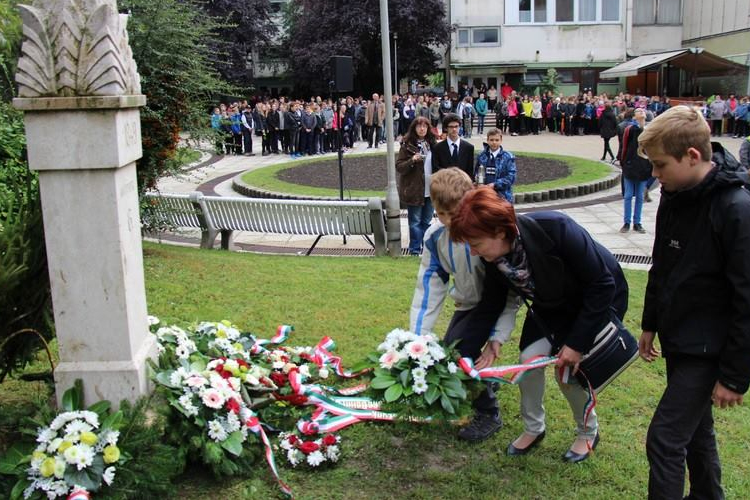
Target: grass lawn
(357, 301)
(582, 171)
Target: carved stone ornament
(75, 48)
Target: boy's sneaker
(639, 229)
(482, 426)
(625, 228)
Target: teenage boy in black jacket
(697, 301)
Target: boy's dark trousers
(473, 328)
(682, 429)
(247, 139)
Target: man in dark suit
(453, 151)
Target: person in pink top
(513, 116)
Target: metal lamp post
(395, 62)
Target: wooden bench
(215, 215)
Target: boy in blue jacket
(496, 166)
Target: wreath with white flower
(310, 452)
(416, 375)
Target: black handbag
(614, 349)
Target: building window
(566, 75)
(562, 11)
(463, 38)
(534, 77)
(657, 12)
(484, 36)
(477, 37)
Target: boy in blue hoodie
(496, 166)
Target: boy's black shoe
(482, 426)
(639, 229)
(625, 228)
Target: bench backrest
(176, 209)
(310, 217)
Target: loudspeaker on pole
(342, 76)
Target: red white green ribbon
(322, 356)
(501, 373)
(253, 423)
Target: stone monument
(80, 91)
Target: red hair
(483, 213)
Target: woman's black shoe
(516, 452)
(573, 457)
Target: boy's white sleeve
(433, 283)
(506, 322)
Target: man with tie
(453, 151)
(374, 117)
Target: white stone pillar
(85, 151)
(80, 93)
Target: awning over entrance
(693, 60)
(491, 67)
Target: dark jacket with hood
(698, 292)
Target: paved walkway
(600, 213)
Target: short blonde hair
(448, 186)
(675, 131)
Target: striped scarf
(515, 267)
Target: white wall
(712, 17)
(647, 39)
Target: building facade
(518, 40)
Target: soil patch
(369, 172)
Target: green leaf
(404, 377)
(67, 400)
(15, 456)
(233, 443)
(163, 378)
(442, 370)
(101, 408)
(382, 372)
(17, 492)
(408, 391)
(382, 382)
(113, 421)
(89, 477)
(452, 383)
(433, 378)
(393, 393)
(198, 364)
(460, 394)
(445, 402)
(432, 394)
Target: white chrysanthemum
(153, 320)
(390, 344)
(79, 455)
(178, 376)
(419, 386)
(315, 458)
(278, 365)
(109, 475)
(304, 370)
(235, 383)
(109, 436)
(332, 453)
(59, 468)
(323, 373)
(245, 413)
(452, 368)
(90, 417)
(436, 352)
(390, 358)
(251, 379)
(231, 365)
(54, 445)
(405, 336)
(426, 362)
(213, 399)
(58, 488)
(284, 442)
(216, 431)
(233, 423)
(416, 349)
(419, 373)
(430, 337)
(294, 456)
(186, 401)
(46, 435)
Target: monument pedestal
(85, 149)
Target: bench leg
(227, 240)
(313, 245)
(208, 237)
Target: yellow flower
(221, 334)
(64, 446)
(89, 438)
(38, 455)
(48, 467)
(111, 454)
(237, 346)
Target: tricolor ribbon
(253, 424)
(501, 373)
(322, 356)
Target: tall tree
(169, 41)
(246, 25)
(318, 29)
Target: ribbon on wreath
(253, 424)
(322, 356)
(282, 334)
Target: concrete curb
(559, 193)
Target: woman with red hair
(572, 283)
